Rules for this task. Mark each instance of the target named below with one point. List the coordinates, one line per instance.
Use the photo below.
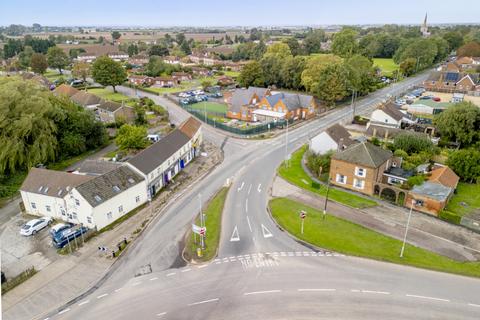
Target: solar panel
(451, 76)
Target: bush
(318, 163)
(450, 217)
(415, 181)
(22, 277)
(413, 143)
(315, 185)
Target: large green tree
(131, 137)
(313, 41)
(345, 43)
(454, 39)
(116, 35)
(252, 75)
(466, 163)
(292, 72)
(108, 72)
(412, 143)
(38, 63)
(360, 74)
(57, 58)
(460, 123)
(25, 57)
(81, 70)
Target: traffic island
(207, 231)
(336, 234)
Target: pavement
(260, 271)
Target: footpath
(73, 274)
(425, 232)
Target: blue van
(61, 239)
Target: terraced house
(261, 104)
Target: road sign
(199, 230)
(303, 214)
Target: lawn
(386, 65)
(109, 95)
(213, 222)
(53, 75)
(182, 87)
(209, 106)
(297, 176)
(343, 236)
(232, 74)
(468, 194)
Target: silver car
(35, 225)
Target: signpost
(303, 215)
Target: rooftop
(85, 99)
(190, 127)
(432, 190)
(96, 167)
(364, 153)
(445, 176)
(339, 133)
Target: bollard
(113, 254)
(125, 240)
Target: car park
(409, 97)
(400, 102)
(59, 227)
(426, 97)
(64, 237)
(35, 225)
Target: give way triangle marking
(266, 232)
(235, 236)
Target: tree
(292, 72)
(454, 39)
(116, 35)
(108, 72)
(313, 41)
(132, 49)
(38, 63)
(471, 49)
(12, 48)
(81, 70)
(57, 58)
(272, 70)
(251, 75)
(158, 50)
(279, 50)
(345, 43)
(25, 57)
(294, 46)
(205, 83)
(360, 74)
(466, 163)
(413, 143)
(407, 66)
(460, 123)
(131, 137)
(185, 47)
(424, 51)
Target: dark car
(68, 235)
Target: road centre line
(202, 302)
(249, 188)
(202, 266)
(64, 310)
(171, 274)
(474, 305)
(102, 295)
(84, 302)
(426, 297)
(316, 290)
(186, 270)
(261, 292)
(249, 225)
(154, 278)
(161, 314)
(135, 284)
(376, 292)
(116, 290)
(246, 205)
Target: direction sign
(303, 214)
(199, 230)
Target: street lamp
(202, 243)
(326, 199)
(286, 146)
(406, 229)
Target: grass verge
(213, 222)
(346, 237)
(22, 277)
(295, 174)
(465, 200)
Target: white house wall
(381, 117)
(41, 202)
(322, 143)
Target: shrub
(318, 163)
(413, 143)
(450, 217)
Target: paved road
(273, 285)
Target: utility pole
(286, 143)
(406, 229)
(326, 199)
(202, 242)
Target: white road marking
(239, 257)
(102, 295)
(171, 274)
(154, 278)
(186, 270)
(249, 225)
(233, 259)
(218, 262)
(46, 319)
(259, 187)
(246, 205)
(261, 292)
(241, 187)
(474, 305)
(266, 232)
(249, 188)
(355, 290)
(161, 314)
(135, 284)
(64, 310)
(202, 266)
(225, 259)
(315, 290)
(116, 290)
(377, 292)
(428, 298)
(202, 302)
(84, 302)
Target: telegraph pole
(406, 229)
(286, 146)
(202, 242)
(326, 199)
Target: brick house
(452, 82)
(140, 80)
(165, 82)
(360, 167)
(110, 111)
(182, 76)
(200, 71)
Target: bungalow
(164, 159)
(86, 100)
(110, 111)
(452, 82)
(181, 76)
(164, 82)
(118, 56)
(139, 80)
(334, 138)
(65, 90)
(200, 71)
(389, 115)
(225, 81)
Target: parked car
(436, 99)
(77, 83)
(60, 227)
(400, 102)
(66, 236)
(409, 97)
(426, 97)
(35, 225)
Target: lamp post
(406, 229)
(202, 243)
(326, 199)
(286, 146)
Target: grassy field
(467, 193)
(386, 65)
(343, 236)
(232, 74)
(209, 106)
(296, 175)
(213, 222)
(109, 95)
(53, 75)
(182, 87)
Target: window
(137, 199)
(109, 215)
(77, 202)
(62, 211)
(120, 209)
(341, 178)
(89, 219)
(74, 215)
(116, 189)
(48, 208)
(419, 203)
(97, 198)
(386, 120)
(34, 206)
(359, 184)
(360, 172)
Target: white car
(35, 225)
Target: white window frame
(341, 181)
(109, 215)
(120, 208)
(357, 172)
(34, 206)
(77, 202)
(137, 199)
(356, 182)
(48, 208)
(89, 219)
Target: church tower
(424, 28)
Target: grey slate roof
(365, 154)
(242, 97)
(110, 106)
(100, 189)
(97, 167)
(393, 111)
(86, 99)
(294, 101)
(339, 133)
(152, 157)
(432, 190)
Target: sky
(235, 13)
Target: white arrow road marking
(249, 188)
(235, 236)
(266, 232)
(241, 187)
(249, 225)
(259, 187)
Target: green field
(53, 75)
(182, 87)
(295, 174)
(468, 194)
(346, 237)
(232, 74)
(209, 106)
(213, 222)
(386, 65)
(112, 96)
